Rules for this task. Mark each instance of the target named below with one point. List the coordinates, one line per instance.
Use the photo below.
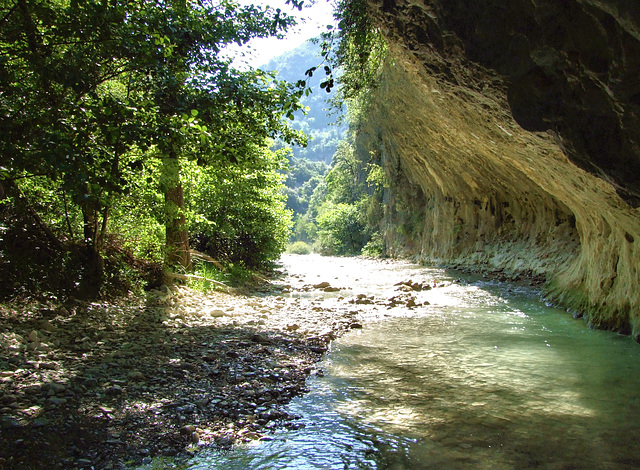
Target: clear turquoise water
(487, 376)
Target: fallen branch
(186, 277)
(203, 256)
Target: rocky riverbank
(112, 385)
(117, 384)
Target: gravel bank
(113, 385)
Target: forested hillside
(322, 124)
(334, 194)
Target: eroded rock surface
(511, 132)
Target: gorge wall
(511, 134)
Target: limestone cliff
(511, 132)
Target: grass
(233, 275)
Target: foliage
(231, 274)
(238, 213)
(360, 51)
(206, 272)
(299, 248)
(374, 247)
(303, 172)
(104, 104)
(303, 177)
(345, 210)
(33, 263)
(341, 210)
(340, 230)
(348, 220)
(305, 228)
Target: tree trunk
(177, 244)
(93, 264)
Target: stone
(56, 388)
(202, 402)
(327, 333)
(33, 337)
(48, 327)
(135, 376)
(9, 422)
(48, 365)
(57, 400)
(114, 390)
(261, 339)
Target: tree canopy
(92, 91)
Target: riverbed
(451, 371)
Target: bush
(340, 230)
(238, 214)
(299, 248)
(374, 247)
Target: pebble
(9, 422)
(209, 372)
(56, 388)
(135, 375)
(114, 390)
(57, 400)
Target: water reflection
(487, 376)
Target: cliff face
(511, 133)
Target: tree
(340, 229)
(87, 88)
(238, 212)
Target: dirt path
(110, 385)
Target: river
(484, 376)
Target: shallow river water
(486, 376)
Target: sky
(312, 21)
